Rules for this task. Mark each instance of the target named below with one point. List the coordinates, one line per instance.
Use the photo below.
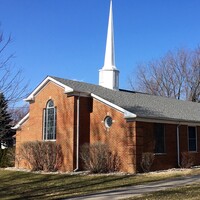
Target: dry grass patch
(29, 185)
(189, 192)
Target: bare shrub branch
(45, 156)
(187, 160)
(147, 161)
(98, 158)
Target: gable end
(31, 97)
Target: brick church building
(73, 113)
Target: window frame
(45, 121)
(108, 121)
(164, 139)
(188, 138)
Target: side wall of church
(168, 159)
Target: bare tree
(193, 78)
(17, 113)
(176, 75)
(11, 80)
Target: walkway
(126, 192)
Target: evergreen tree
(5, 121)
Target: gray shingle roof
(143, 105)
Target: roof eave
(168, 120)
(77, 93)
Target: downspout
(77, 134)
(178, 145)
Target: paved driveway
(130, 191)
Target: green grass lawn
(28, 185)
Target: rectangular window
(159, 130)
(192, 138)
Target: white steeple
(109, 75)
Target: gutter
(77, 134)
(178, 144)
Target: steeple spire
(109, 75)
(109, 62)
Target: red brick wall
(162, 161)
(32, 129)
(168, 159)
(184, 144)
(119, 137)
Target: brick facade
(119, 137)
(32, 129)
(128, 139)
(169, 159)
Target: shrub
(97, 158)
(187, 160)
(7, 158)
(147, 161)
(42, 155)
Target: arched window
(49, 124)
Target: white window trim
(106, 121)
(44, 120)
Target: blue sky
(66, 38)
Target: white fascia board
(17, 126)
(44, 82)
(126, 113)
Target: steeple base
(109, 78)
